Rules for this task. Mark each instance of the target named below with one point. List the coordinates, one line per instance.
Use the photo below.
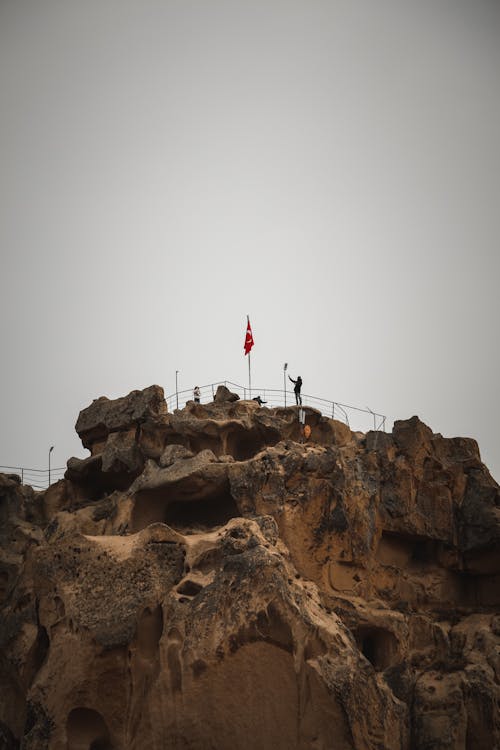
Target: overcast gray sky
(330, 168)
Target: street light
(284, 379)
(176, 390)
(50, 451)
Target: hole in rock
(244, 445)
(207, 442)
(400, 550)
(41, 649)
(204, 514)
(189, 588)
(424, 551)
(379, 646)
(87, 730)
(190, 514)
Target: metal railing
(37, 478)
(353, 416)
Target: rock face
(208, 580)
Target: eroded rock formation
(207, 579)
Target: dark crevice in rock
(41, 649)
(401, 550)
(189, 588)
(187, 515)
(378, 645)
(202, 515)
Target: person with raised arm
(296, 389)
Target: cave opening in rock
(377, 645)
(399, 550)
(205, 442)
(201, 515)
(184, 514)
(87, 730)
(189, 587)
(245, 444)
(424, 551)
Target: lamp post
(285, 366)
(176, 390)
(50, 451)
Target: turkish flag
(248, 337)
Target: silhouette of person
(196, 394)
(259, 400)
(296, 389)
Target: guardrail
(353, 416)
(39, 479)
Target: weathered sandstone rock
(209, 579)
(223, 394)
(105, 416)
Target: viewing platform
(354, 417)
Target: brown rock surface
(206, 579)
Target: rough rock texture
(206, 579)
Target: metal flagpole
(249, 371)
(248, 346)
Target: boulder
(113, 415)
(224, 395)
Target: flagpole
(248, 346)
(249, 372)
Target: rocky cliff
(207, 579)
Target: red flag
(248, 337)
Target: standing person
(196, 394)
(296, 389)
